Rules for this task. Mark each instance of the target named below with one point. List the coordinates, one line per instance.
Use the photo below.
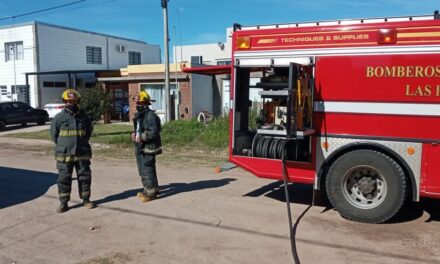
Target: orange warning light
(387, 36)
(243, 42)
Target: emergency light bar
(273, 62)
(354, 21)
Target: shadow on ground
(412, 211)
(19, 186)
(170, 189)
(303, 194)
(298, 193)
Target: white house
(56, 57)
(218, 53)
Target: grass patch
(185, 141)
(181, 132)
(113, 134)
(216, 134)
(194, 135)
(43, 134)
(102, 133)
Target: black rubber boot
(63, 207)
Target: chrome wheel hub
(364, 187)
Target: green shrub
(95, 101)
(186, 133)
(181, 132)
(216, 134)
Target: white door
(226, 101)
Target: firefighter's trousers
(64, 182)
(146, 164)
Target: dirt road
(201, 217)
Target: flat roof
(29, 23)
(67, 72)
(209, 70)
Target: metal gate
(21, 92)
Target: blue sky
(201, 21)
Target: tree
(95, 101)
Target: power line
(42, 10)
(91, 4)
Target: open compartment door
(274, 108)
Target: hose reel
(271, 147)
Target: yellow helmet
(71, 95)
(143, 98)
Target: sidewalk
(24, 141)
(12, 129)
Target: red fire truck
(352, 106)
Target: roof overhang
(68, 72)
(149, 77)
(209, 70)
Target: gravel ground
(200, 217)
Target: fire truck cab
(352, 106)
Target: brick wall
(186, 97)
(186, 100)
(133, 89)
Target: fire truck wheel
(366, 186)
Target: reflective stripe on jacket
(68, 159)
(72, 133)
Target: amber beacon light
(243, 43)
(387, 36)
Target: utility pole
(14, 92)
(164, 4)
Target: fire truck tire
(366, 186)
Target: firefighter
(70, 131)
(146, 138)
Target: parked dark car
(20, 113)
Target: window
(3, 90)
(89, 84)
(22, 92)
(54, 84)
(94, 55)
(156, 92)
(14, 51)
(222, 63)
(134, 58)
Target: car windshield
(21, 106)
